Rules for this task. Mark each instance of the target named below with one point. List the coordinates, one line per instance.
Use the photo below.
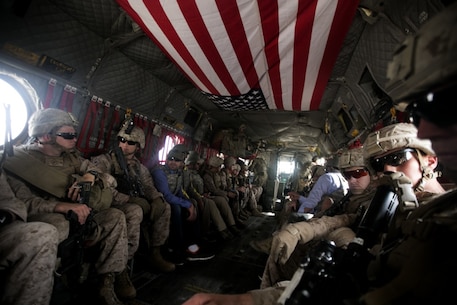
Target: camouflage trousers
(210, 215)
(225, 210)
(155, 227)
(133, 217)
(275, 272)
(310, 233)
(27, 262)
(159, 227)
(111, 240)
(257, 190)
(57, 220)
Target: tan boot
(106, 293)
(157, 262)
(123, 286)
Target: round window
(13, 112)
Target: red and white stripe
(287, 48)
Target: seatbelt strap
(101, 130)
(63, 98)
(89, 120)
(114, 121)
(148, 150)
(50, 93)
(70, 98)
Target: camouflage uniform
(215, 208)
(252, 193)
(308, 233)
(28, 254)
(404, 260)
(113, 238)
(215, 186)
(291, 244)
(259, 167)
(156, 209)
(136, 194)
(228, 183)
(53, 155)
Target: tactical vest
(196, 181)
(32, 165)
(220, 180)
(175, 179)
(126, 184)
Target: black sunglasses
(123, 140)
(358, 173)
(174, 159)
(394, 159)
(67, 135)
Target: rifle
(71, 250)
(338, 207)
(126, 183)
(344, 271)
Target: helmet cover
(351, 158)
(395, 137)
(192, 157)
(45, 121)
(136, 135)
(215, 161)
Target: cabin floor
(236, 268)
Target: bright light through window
(18, 111)
(286, 167)
(170, 142)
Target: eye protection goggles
(67, 135)
(394, 159)
(356, 174)
(124, 140)
(174, 159)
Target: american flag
(247, 54)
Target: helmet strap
(427, 173)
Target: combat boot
(106, 293)
(157, 262)
(123, 286)
(225, 235)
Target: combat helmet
(192, 157)
(351, 158)
(181, 150)
(229, 162)
(395, 137)
(136, 134)
(47, 121)
(215, 161)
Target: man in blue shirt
(184, 226)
